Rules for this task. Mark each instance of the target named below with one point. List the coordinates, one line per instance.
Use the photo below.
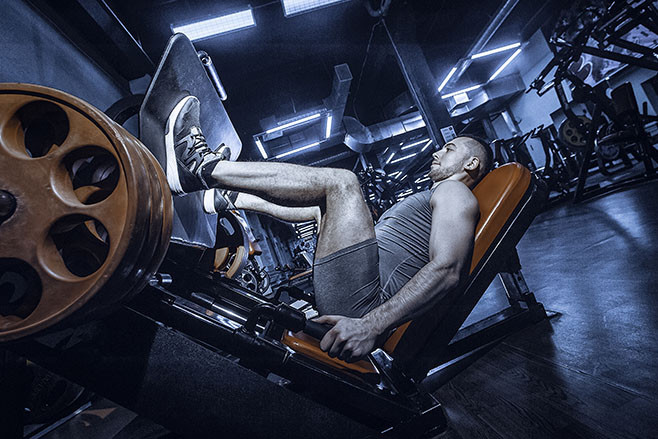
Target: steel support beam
(401, 30)
(340, 89)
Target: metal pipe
(212, 74)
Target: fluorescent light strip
(421, 180)
(429, 142)
(505, 64)
(327, 130)
(445, 81)
(411, 145)
(389, 158)
(293, 7)
(455, 93)
(294, 151)
(498, 50)
(395, 174)
(293, 123)
(403, 158)
(217, 25)
(259, 144)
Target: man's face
(449, 160)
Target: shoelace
(200, 145)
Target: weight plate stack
(85, 211)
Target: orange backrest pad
(498, 195)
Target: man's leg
(345, 218)
(346, 269)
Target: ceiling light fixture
(259, 144)
(505, 64)
(389, 158)
(429, 142)
(403, 158)
(445, 81)
(497, 50)
(218, 25)
(294, 123)
(294, 7)
(411, 145)
(296, 150)
(327, 130)
(455, 93)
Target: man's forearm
(432, 282)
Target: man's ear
(472, 164)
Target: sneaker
(187, 152)
(216, 200)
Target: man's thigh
(347, 282)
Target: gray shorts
(347, 282)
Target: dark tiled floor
(589, 372)
(592, 371)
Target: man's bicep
(453, 227)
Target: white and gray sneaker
(217, 200)
(189, 159)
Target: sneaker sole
(172, 166)
(209, 201)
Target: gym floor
(592, 370)
(589, 372)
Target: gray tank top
(403, 238)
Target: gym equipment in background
(614, 135)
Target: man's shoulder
(455, 194)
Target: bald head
(479, 148)
(465, 158)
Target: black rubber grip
(317, 330)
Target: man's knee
(345, 181)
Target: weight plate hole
(93, 173)
(43, 125)
(20, 288)
(82, 242)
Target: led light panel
(218, 25)
(411, 145)
(455, 93)
(294, 7)
(497, 50)
(327, 133)
(294, 123)
(505, 64)
(259, 144)
(445, 81)
(403, 158)
(296, 150)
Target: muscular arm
(451, 243)
(291, 214)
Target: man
(367, 279)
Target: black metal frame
(214, 321)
